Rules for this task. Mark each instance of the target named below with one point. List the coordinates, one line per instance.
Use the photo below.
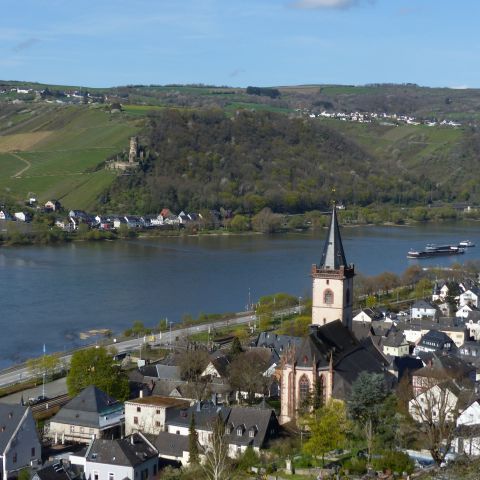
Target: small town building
(19, 443)
(149, 414)
(91, 414)
(133, 457)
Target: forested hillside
(244, 162)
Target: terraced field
(54, 151)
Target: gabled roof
(10, 417)
(205, 415)
(87, 407)
(257, 420)
(129, 451)
(395, 339)
(171, 444)
(333, 255)
(423, 304)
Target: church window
(328, 297)
(328, 281)
(304, 388)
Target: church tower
(332, 281)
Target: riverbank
(55, 236)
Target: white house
(148, 414)
(19, 443)
(133, 457)
(396, 345)
(464, 311)
(423, 309)
(368, 315)
(467, 435)
(470, 297)
(436, 404)
(22, 216)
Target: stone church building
(330, 358)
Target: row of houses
(383, 118)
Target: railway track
(49, 404)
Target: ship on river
(432, 250)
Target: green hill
(54, 151)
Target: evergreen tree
(193, 443)
(236, 347)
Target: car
(36, 400)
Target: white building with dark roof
(91, 414)
(19, 443)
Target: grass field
(54, 152)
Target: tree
(436, 411)
(47, 364)
(193, 443)
(192, 363)
(236, 347)
(240, 223)
(366, 398)
(266, 221)
(328, 426)
(246, 372)
(95, 366)
(217, 465)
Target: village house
(467, 433)
(470, 297)
(434, 341)
(149, 414)
(396, 345)
(91, 414)
(422, 309)
(133, 457)
(368, 315)
(52, 206)
(19, 443)
(439, 368)
(23, 216)
(5, 215)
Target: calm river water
(51, 294)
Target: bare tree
(247, 372)
(216, 465)
(436, 410)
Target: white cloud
(338, 4)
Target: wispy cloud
(25, 45)
(332, 4)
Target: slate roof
(171, 444)
(405, 365)
(445, 366)
(10, 417)
(436, 337)
(423, 304)
(349, 357)
(87, 407)
(205, 414)
(129, 451)
(258, 420)
(56, 471)
(333, 255)
(395, 339)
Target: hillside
(206, 159)
(243, 149)
(53, 151)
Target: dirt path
(24, 169)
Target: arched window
(304, 388)
(328, 297)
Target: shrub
(394, 461)
(356, 466)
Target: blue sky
(241, 42)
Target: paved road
(20, 373)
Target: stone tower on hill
(133, 153)
(332, 295)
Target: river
(51, 294)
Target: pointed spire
(333, 256)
